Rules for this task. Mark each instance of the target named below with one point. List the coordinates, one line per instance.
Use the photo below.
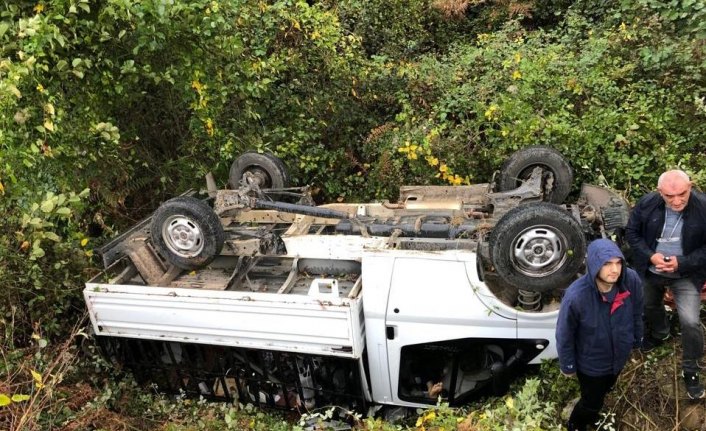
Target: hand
(664, 263)
(434, 389)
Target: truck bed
(282, 303)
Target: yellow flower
(433, 161)
(196, 85)
(209, 127)
(518, 57)
(625, 33)
(84, 242)
(483, 37)
(509, 402)
(40, 88)
(516, 75)
(443, 168)
(39, 8)
(490, 113)
(37, 379)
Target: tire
(268, 170)
(519, 166)
(187, 232)
(537, 247)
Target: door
(434, 319)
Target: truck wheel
(519, 166)
(537, 247)
(267, 170)
(187, 232)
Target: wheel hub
(538, 251)
(182, 236)
(255, 175)
(547, 178)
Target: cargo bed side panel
(292, 323)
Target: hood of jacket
(599, 252)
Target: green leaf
(47, 206)
(3, 28)
(63, 211)
(52, 236)
(37, 251)
(18, 398)
(4, 400)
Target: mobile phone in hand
(667, 259)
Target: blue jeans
(688, 300)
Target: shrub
(590, 92)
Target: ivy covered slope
(108, 108)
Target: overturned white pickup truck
(446, 293)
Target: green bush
(136, 101)
(593, 93)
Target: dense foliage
(107, 108)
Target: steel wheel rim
(538, 251)
(182, 236)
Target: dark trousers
(593, 392)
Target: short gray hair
(674, 173)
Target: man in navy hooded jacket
(600, 322)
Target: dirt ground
(650, 394)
